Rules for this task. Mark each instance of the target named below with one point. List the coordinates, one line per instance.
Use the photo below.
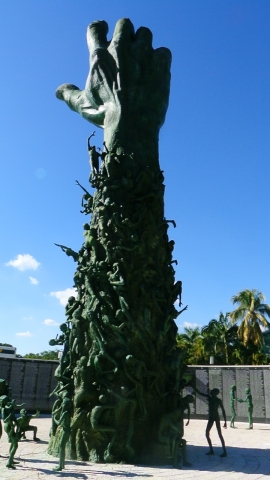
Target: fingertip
(124, 30)
(144, 35)
(97, 34)
(164, 55)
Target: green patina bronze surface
(214, 403)
(249, 402)
(11, 425)
(232, 404)
(120, 371)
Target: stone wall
(257, 378)
(31, 381)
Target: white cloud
(27, 318)
(63, 295)
(24, 334)
(50, 322)
(190, 325)
(33, 280)
(24, 262)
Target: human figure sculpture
(97, 424)
(185, 405)
(94, 156)
(84, 389)
(62, 340)
(232, 405)
(87, 200)
(248, 400)
(136, 370)
(64, 421)
(118, 284)
(23, 424)
(70, 308)
(90, 240)
(171, 433)
(126, 400)
(68, 251)
(10, 422)
(214, 404)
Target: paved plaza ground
(248, 458)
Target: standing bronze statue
(64, 421)
(232, 405)
(214, 404)
(10, 427)
(249, 402)
(122, 322)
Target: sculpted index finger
(97, 35)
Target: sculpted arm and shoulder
(206, 395)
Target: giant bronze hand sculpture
(127, 89)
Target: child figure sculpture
(248, 400)
(232, 404)
(9, 419)
(64, 421)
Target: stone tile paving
(248, 458)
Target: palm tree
(251, 313)
(219, 337)
(191, 343)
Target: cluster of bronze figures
(248, 400)
(15, 427)
(171, 444)
(120, 367)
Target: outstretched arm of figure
(224, 414)
(171, 221)
(200, 393)
(84, 189)
(88, 141)
(19, 406)
(188, 418)
(181, 311)
(105, 146)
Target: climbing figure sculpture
(94, 156)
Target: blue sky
(214, 150)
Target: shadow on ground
(239, 460)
